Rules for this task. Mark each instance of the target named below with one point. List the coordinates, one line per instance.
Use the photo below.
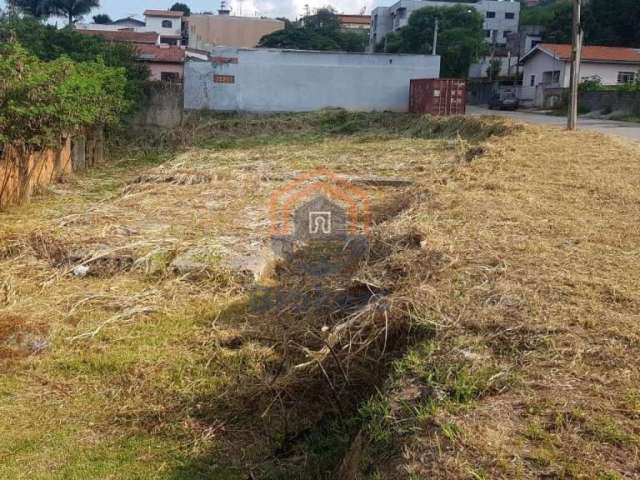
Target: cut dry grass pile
(491, 330)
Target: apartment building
(501, 17)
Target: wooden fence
(23, 174)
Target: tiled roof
(157, 54)
(123, 36)
(359, 19)
(594, 54)
(162, 13)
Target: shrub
(40, 100)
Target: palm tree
(73, 9)
(35, 8)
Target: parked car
(504, 100)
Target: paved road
(627, 130)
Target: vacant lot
(491, 331)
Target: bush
(40, 100)
(49, 43)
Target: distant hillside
(542, 14)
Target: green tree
(613, 23)
(73, 10)
(606, 22)
(460, 41)
(41, 100)
(181, 7)
(102, 19)
(558, 26)
(35, 8)
(49, 43)
(320, 31)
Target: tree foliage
(460, 41)
(41, 100)
(102, 19)
(321, 31)
(72, 10)
(35, 8)
(181, 7)
(49, 43)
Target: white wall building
(166, 23)
(548, 66)
(501, 17)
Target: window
(491, 14)
(532, 82)
(170, 77)
(626, 77)
(506, 33)
(224, 79)
(167, 24)
(487, 33)
(551, 77)
(168, 40)
(509, 15)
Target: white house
(166, 23)
(548, 66)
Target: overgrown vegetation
(50, 43)
(40, 101)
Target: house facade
(166, 23)
(547, 66)
(501, 17)
(354, 22)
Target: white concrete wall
(268, 80)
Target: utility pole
(435, 37)
(576, 53)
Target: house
(165, 62)
(547, 68)
(167, 23)
(501, 17)
(128, 22)
(208, 31)
(355, 22)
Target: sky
(269, 8)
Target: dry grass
(498, 306)
(541, 303)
